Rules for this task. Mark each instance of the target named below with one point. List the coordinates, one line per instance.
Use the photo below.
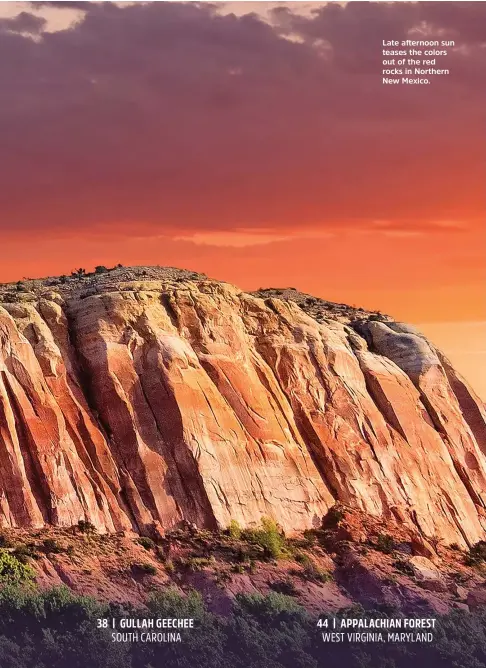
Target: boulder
(476, 598)
(427, 574)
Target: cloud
(242, 238)
(184, 120)
(233, 239)
(23, 23)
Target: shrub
(13, 571)
(303, 559)
(309, 538)
(476, 554)
(274, 604)
(285, 586)
(169, 566)
(310, 570)
(86, 527)
(385, 543)
(51, 546)
(239, 568)
(171, 603)
(316, 574)
(5, 541)
(144, 568)
(101, 269)
(198, 563)
(459, 578)
(234, 530)
(146, 542)
(403, 567)
(241, 555)
(269, 537)
(25, 552)
(333, 518)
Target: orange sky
(423, 278)
(439, 287)
(263, 150)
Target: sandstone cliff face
(144, 404)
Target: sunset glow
(234, 144)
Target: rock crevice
(146, 404)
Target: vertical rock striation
(144, 404)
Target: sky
(254, 142)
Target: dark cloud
(23, 23)
(61, 4)
(170, 116)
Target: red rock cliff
(142, 403)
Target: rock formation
(138, 404)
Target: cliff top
(320, 309)
(104, 279)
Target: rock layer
(145, 404)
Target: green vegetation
(309, 538)
(385, 543)
(248, 566)
(316, 574)
(5, 541)
(198, 563)
(26, 552)
(143, 568)
(284, 586)
(234, 530)
(51, 546)
(333, 518)
(13, 571)
(99, 269)
(239, 568)
(146, 542)
(169, 566)
(404, 567)
(58, 629)
(303, 559)
(477, 554)
(192, 564)
(269, 537)
(85, 526)
(310, 569)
